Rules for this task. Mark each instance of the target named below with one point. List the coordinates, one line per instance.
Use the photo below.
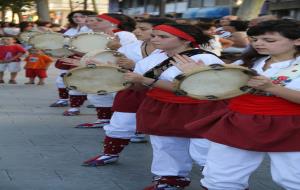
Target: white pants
(12, 67)
(122, 125)
(59, 80)
(101, 100)
(229, 168)
(198, 150)
(172, 156)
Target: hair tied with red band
(177, 32)
(109, 18)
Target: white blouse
(276, 68)
(126, 37)
(73, 31)
(132, 51)
(173, 71)
(149, 62)
(159, 56)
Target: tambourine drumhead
(95, 79)
(87, 42)
(102, 56)
(50, 40)
(62, 52)
(214, 82)
(25, 36)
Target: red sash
(263, 105)
(168, 96)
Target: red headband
(109, 18)
(177, 32)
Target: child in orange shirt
(36, 65)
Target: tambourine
(103, 56)
(52, 43)
(86, 42)
(47, 40)
(92, 79)
(214, 82)
(25, 36)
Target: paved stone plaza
(40, 149)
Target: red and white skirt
(255, 132)
(168, 119)
(128, 100)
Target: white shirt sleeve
(126, 37)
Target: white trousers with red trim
(122, 125)
(229, 168)
(59, 80)
(173, 156)
(101, 100)
(198, 150)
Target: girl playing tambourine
(266, 122)
(162, 114)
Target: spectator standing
(37, 64)
(10, 54)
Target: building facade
(171, 7)
(285, 8)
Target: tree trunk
(43, 10)
(250, 9)
(71, 5)
(20, 16)
(13, 17)
(3, 12)
(85, 5)
(95, 6)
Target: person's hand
(70, 61)
(110, 33)
(261, 83)
(76, 57)
(113, 44)
(133, 77)
(185, 63)
(125, 63)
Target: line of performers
(227, 138)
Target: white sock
(62, 100)
(73, 109)
(101, 120)
(105, 156)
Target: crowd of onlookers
(14, 51)
(12, 29)
(228, 39)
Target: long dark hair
(287, 28)
(127, 23)
(25, 24)
(83, 12)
